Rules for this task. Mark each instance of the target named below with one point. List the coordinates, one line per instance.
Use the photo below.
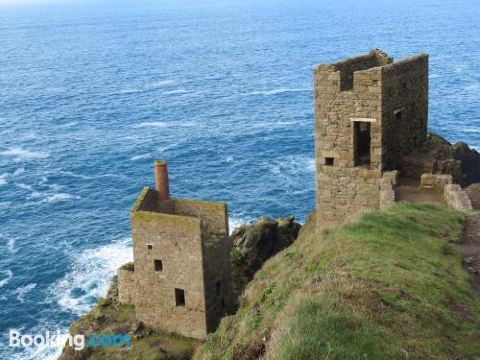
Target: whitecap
(229, 159)
(151, 124)
(293, 166)
(9, 275)
(11, 244)
(3, 180)
(59, 197)
(278, 91)
(19, 171)
(23, 291)
(176, 92)
(90, 277)
(20, 154)
(234, 223)
(161, 83)
(140, 157)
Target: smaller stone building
(181, 278)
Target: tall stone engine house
(181, 280)
(369, 112)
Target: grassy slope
(388, 287)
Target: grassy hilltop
(391, 286)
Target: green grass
(390, 286)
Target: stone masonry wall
(343, 189)
(404, 108)
(456, 198)
(177, 242)
(127, 287)
(218, 281)
(388, 183)
(435, 181)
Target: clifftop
(390, 286)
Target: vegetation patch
(390, 286)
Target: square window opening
(329, 161)
(158, 264)
(179, 297)
(362, 143)
(149, 246)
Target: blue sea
(91, 93)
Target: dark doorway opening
(179, 297)
(362, 142)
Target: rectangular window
(158, 265)
(149, 246)
(179, 297)
(361, 143)
(329, 161)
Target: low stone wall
(388, 183)
(456, 198)
(126, 285)
(435, 181)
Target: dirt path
(471, 249)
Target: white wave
(20, 154)
(272, 125)
(23, 291)
(156, 124)
(59, 197)
(11, 245)
(294, 166)
(129, 91)
(140, 157)
(6, 280)
(161, 83)
(460, 68)
(92, 271)
(3, 180)
(19, 171)
(86, 177)
(234, 223)
(229, 159)
(176, 92)
(3, 298)
(278, 91)
(43, 352)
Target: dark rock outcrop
(255, 243)
(438, 156)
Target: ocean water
(91, 93)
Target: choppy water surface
(91, 94)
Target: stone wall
(456, 198)
(176, 241)
(404, 108)
(388, 183)
(435, 181)
(126, 286)
(218, 281)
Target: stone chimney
(161, 180)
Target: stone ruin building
(371, 115)
(181, 278)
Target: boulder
(255, 243)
